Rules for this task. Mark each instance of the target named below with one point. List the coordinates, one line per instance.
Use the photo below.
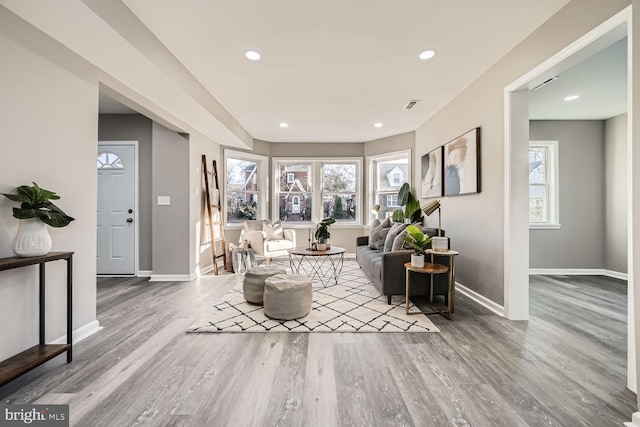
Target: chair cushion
(273, 231)
(278, 245)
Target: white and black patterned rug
(353, 305)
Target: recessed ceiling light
(427, 54)
(284, 125)
(572, 97)
(252, 55)
(378, 125)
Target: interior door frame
(136, 238)
(516, 224)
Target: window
(543, 184)
(245, 198)
(109, 160)
(387, 174)
(301, 200)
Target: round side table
(429, 268)
(452, 277)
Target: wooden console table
(21, 363)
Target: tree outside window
(242, 190)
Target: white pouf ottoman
(253, 283)
(287, 296)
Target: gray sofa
(386, 269)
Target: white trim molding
(480, 299)
(144, 273)
(80, 333)
(578, 272)
(170, 278)
(635, 420)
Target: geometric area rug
(353, 305)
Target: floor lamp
(375, 210)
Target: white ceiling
(600, 81)
(332, 69)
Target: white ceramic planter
(33, 238)
(417, 260)
(322, 246)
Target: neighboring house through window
(387, 174)
(543, 185)
(245, 175)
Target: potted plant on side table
(322, 233)
(419, 243)
(36, 211)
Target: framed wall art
(462, 164)
(432, 174)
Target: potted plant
(412, 212)
(419, 243)
(36, 212)
(322, 233)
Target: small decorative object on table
(36, 212)
(322, 233)
(419, 243)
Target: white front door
(116, 204)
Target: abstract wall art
(432, 174)
(462, 164)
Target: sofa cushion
(375, 224)
(396, 229)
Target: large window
(245, 197)
(543, 184)
(301, 200)
(387, 174)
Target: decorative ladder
(215, 225)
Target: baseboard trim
(480, 299)
(170, 278)
(578, 272)
(635, 420)
(144, 273)
(81, 333)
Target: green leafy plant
(417, 239)
(412, 210)
(35, 202)
(322, 230)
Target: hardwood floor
(565, 367)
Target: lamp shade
(375, 209)
(431, 207)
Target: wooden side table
(429, 268)
(452, 277)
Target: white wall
(616, 194)
(49, 122)
(475, 222)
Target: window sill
(544, 226)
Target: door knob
(129, 219)
(130, 211)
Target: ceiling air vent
(544, 83)
(411, 104)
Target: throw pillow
(375, 224)
(253, 225)
(399, 243)
(396, 229)
(273, 231)
(379, 235)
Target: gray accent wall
(135, 127)
(170, 170)
(616, 194)
(579, 243)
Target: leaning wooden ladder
(216, 232)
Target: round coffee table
(324, 266)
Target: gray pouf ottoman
(253, 283)
(287, 296)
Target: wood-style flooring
(564, 367)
